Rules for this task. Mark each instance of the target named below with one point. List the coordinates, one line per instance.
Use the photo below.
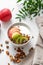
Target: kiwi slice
(18, 40)
(23, 40)
(15, 36)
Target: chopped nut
(11, 57)
(14, 59)
(18, 50)
(7, 47)
(7, 42)
(7, 52)
(8, 63)
(22, 48)
(1, 45)
(32, 36)
(28, 37)
(31, 49)
(17, 55)
(20, 54)
(18, 61)
(0, 50)
(17, 58)
(14, 48)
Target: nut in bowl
(19, 34)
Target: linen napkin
(38, 56)
(39, 21)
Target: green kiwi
(15, 35)
(23, 40)
(18, 40)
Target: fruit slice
(23, 40)
(15, 36)
(18, 40)
(13, 30)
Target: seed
(8, 63)
(14, 48)
(1, 45)
(31, 49)
(11, 57)
(7, 42)
(7, 52)
(32, 36)
(22, 48)
(0, 50)
(18, 61)
(7, 47)
(14, 59)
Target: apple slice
(13, 30)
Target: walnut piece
(7, 52)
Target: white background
(4, 59)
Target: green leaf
(35, 14)
(20, 16)
(19, 1)
(26, 13)
(30, 7)
(24, 2)
(39, 4)
(30, 1)
(42, 5)
(17, 17)
(23, 9)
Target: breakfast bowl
(19, 34)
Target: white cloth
(38, 56)
(39, 21)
